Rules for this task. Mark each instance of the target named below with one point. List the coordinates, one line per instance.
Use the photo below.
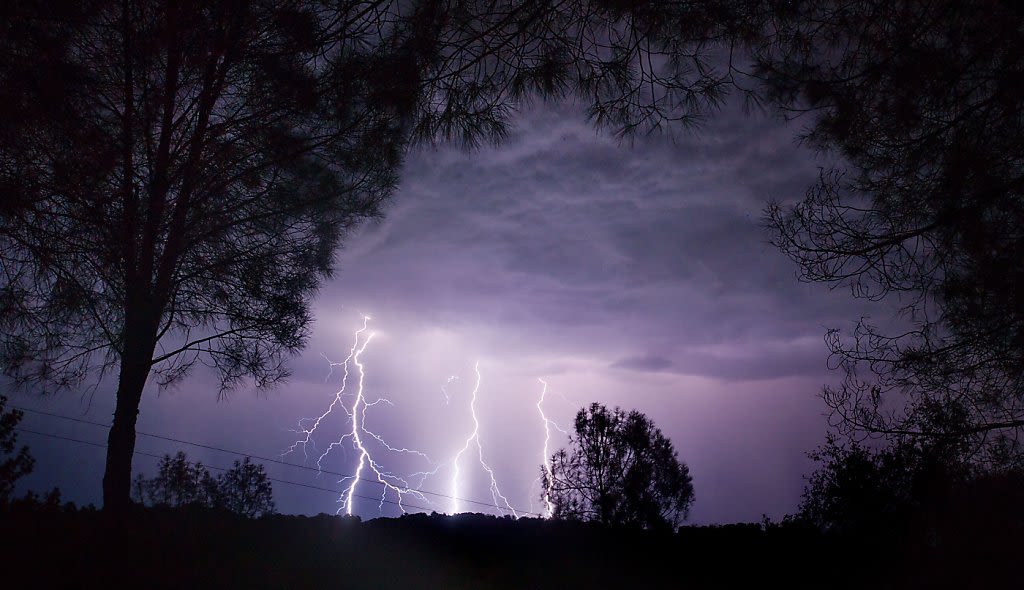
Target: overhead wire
(265, 459)
(274, 479)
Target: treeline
(244, 489)
(893, 517)
(196, 547)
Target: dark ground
(53, 547)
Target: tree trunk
(135, 365)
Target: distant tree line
(244, 489)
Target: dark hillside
(186, 548)
(202, 549)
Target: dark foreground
(53, 547)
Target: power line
(258, 457)
(274, 479)
(243, 454)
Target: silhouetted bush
(864, 491)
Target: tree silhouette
(619, 470)
(179, 482)
(176, 177)
(859, 490)
(244, 489)
(18, 466)
(922, 101)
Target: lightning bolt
(351, 400)
(307, 433)
(444, 388)
(359, 434)
(546, 452)
(475, 437)
(546, 455)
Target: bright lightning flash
(549, 507)
(359, 434)
(546, 452)
(496, 494)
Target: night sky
(635, 274)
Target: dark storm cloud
(767, 361)
(658, 242)
(649, 363)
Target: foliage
(619, 470)
(179, 482)
(244, 489)
(859, 490)
(50, 502)
(18, 466)
(922, 104)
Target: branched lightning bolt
(359, 434)
(475, 437)
(307, 433)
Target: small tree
(245, 489)
(19, 465)
(179, 482)
(619, 469)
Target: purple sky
(635, 275)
